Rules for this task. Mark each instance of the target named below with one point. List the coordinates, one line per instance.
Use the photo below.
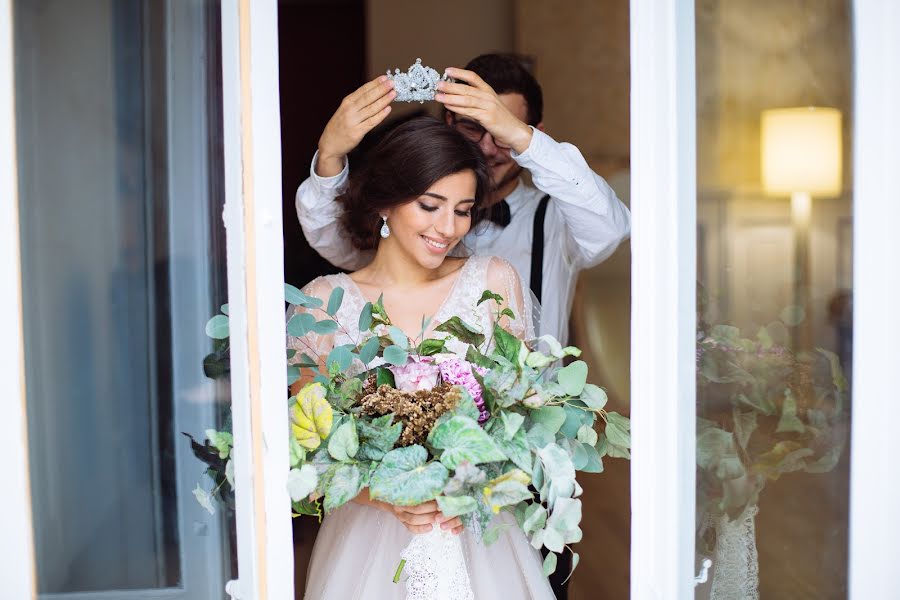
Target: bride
(412, 204)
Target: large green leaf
(217, 327)
(369, 350)
(340, 355)
(325, 327)
(551, 417)
(573, 377)
(516, 448)
(301, 482)
(461, 331)
(461, 439)
(508, 489)
(453, 506)
(344, 442)
(395, 355)
(594, 397)
(378, 437)
(301, 324)
(365, 317)
(398, 337)
(507, 344)
(344, 485)
(404, 478)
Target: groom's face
(502, 167)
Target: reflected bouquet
(496, 426)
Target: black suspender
(537, 248)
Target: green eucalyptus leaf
(549, 564)
(594, 462)
(370, 350)
(217, 327)
(335, 300)
(398, 337)
(587, 435)
(593, 396)
(325, 327)
(573, 377)
(301, 324)
(395, 355)
(365, 317)
(535, 518)
(404, 478)
(539, 436)
(204, 499)
(293, 374)
(292, 295)
(224, 309)
(340, 355)
(551, 417)
(461, 439)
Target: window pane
(117, 104)
(774, 295)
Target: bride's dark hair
(400, 168)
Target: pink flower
(459, 372)
(419, 373)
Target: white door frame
(255, 248)
(663, 275)
(17, 567)
(874, 474)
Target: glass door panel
(118, 108)
(774, 246)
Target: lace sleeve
(503, 279)
(313, 345)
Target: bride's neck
(392, 266)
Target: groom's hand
(357, 115)
(478, 101)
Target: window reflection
(774, 297)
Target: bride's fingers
(452, 524)
(418, 509)
(418, 528)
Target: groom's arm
(596, 220)
(319, 216)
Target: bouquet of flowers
(500, 426)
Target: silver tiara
(417, 84)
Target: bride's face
(430, 226)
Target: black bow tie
(499, 213)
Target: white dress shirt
(584, 224)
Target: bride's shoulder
(321, 287)
(499, 271)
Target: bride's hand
(420, 518)
(357, 115)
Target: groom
(568, 221)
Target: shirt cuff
(333, 182)
(534, 147)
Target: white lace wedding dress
(358, 548)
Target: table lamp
(801, 157)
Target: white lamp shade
(801, 151)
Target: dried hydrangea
(418, 410)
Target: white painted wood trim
(17, 567)
(256, 298)
(663, 310)
(874, 474)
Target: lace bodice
(478, 274)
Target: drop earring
(385, 230)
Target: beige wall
(443, 34)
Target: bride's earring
(385, 230)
